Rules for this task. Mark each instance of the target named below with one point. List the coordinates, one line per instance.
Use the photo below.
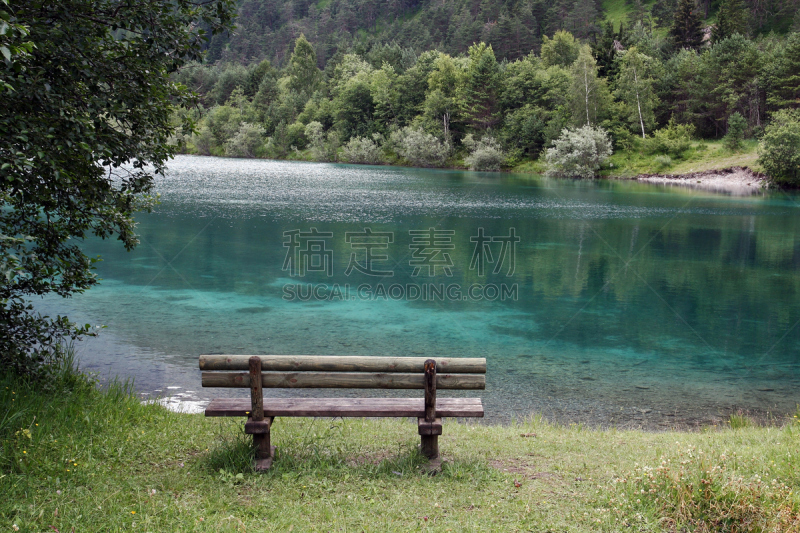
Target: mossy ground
(79, 457)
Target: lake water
(610, 303)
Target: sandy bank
(736, 181)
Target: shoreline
(734, 181)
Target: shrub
(779, 151)
(248, 141)
(485, 154)
(323, 147)
(737, 126)
(673, 139)
(203, 141)
(363, 150)
(578, 152)
(663, 161)
(295, 135)
(419, 148)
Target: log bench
(351, 372)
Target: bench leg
(429, 435)
(264, 451)
(430, 446)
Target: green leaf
(6, 52)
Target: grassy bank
(701, 155)
(74, 456)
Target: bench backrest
(335, 371)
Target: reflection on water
(634, 306)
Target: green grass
(703, 155)
(74, 456)
(616, 11)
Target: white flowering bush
(248, 141)
(578, 153)
(323, 147)
(419, 148)
(363, 150)
(485, 154)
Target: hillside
(267, 29)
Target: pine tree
(483, 87)
(731, 18)
(687, 28)
(304, 76)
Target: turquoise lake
(603, 302)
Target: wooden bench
(351, 372)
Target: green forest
(494, 84)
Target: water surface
(635, 305)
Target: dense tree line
(267, 29)
(650, 90)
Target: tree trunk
(638, 105)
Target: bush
(779, 151)
(663, 161)
(248, 141)
(203, 141)
(419, 148)
(323, 147)
(737, 126)
(578, 152)
(673, 139)
(295, 135)
(485, 154)
(363, 150)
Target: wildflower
(133, 512)
(58, 492)
(23, 451)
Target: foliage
(663, 161)
(687, 26)
(779, 151)
(631, 81)
(484, 154)
(561, 50)
(419, 148)
(323, 146)
(481, 87)
(737, 125)
(247, 142)
(673, 139)
(587, 88)
(303, 72)
(363, 150)
(783, 74)
(636, 88)
(578, 152)
(731, 19)
(86, 107)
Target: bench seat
(348, 407)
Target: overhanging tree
(86, 103)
